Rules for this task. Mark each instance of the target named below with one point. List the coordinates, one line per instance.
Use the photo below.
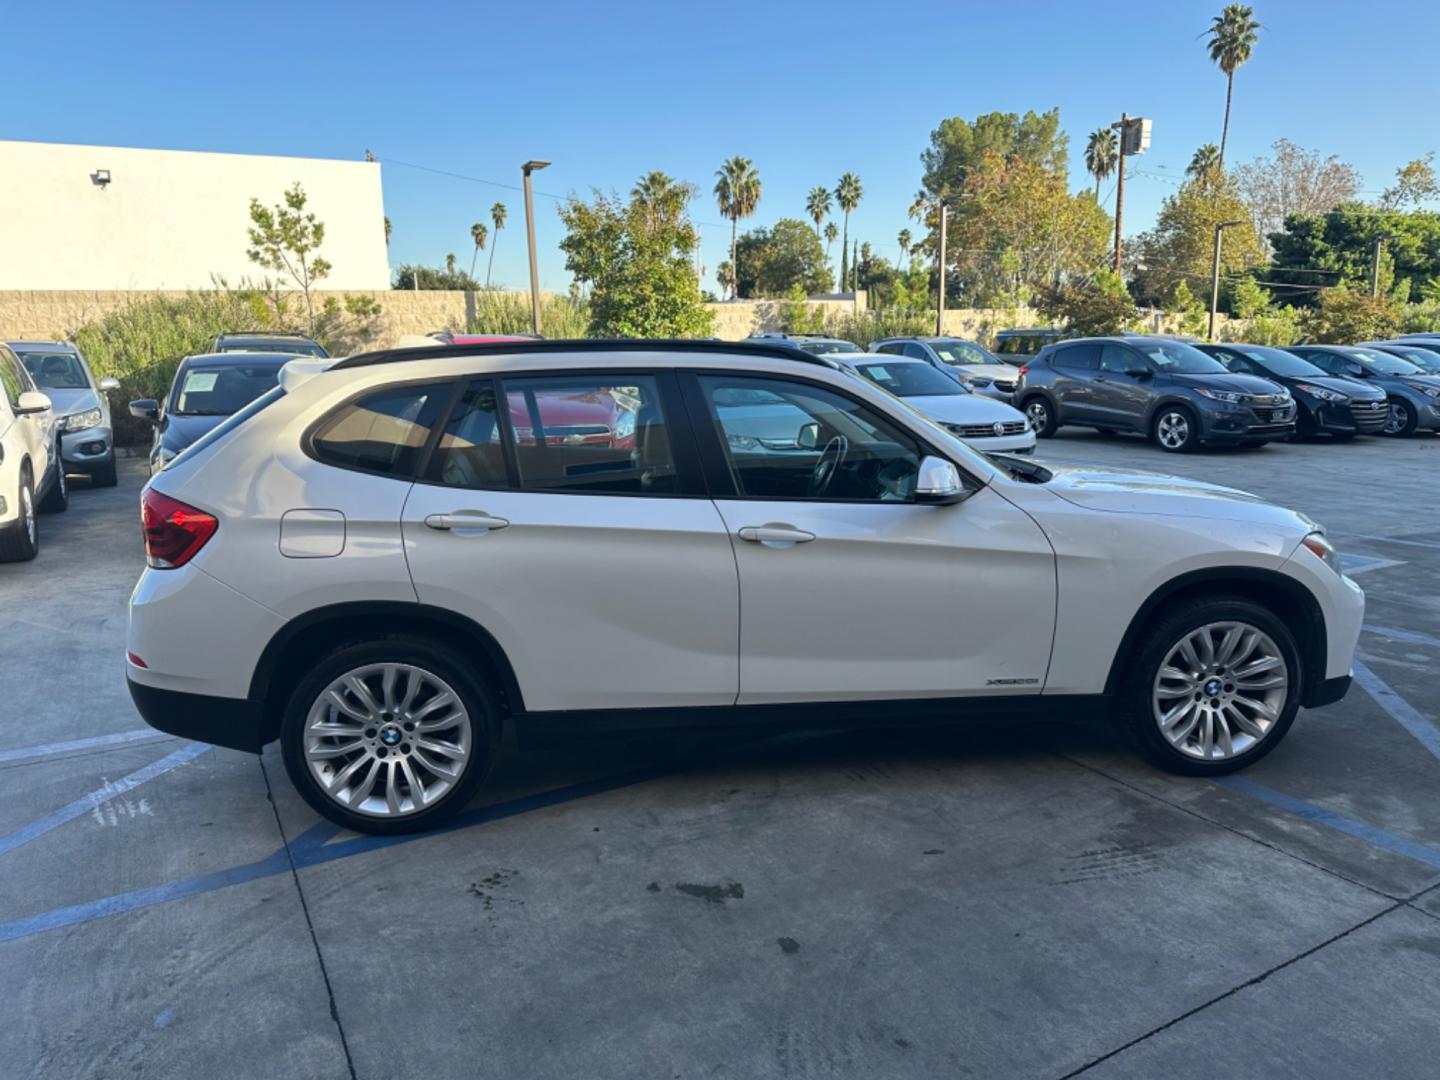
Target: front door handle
(776, 534)
(466, 522)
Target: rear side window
(471, 451)
(1082, 357)
(591, 433)
(382, 432)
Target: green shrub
(866, 326)
(495, 312)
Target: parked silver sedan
(82, 411)
(968, 362)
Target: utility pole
(528, 168)
(1375, 267)
(1220, 227)
(940, 270)
(1120, 188)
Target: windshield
(220, 391)
(219, 431)
(1424, 359)
(1177, 358)
(912, 379)
(819, 348)
(55, 370)
(1278, 361)
(282, 345)
(1383, 362)
(964, 352)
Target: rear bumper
(232, 722)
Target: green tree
(478, 233)
(1347, 315)
(848, 193)
(831, 232)
(799, 317)
(737, 194)
(958, 145)
(639, 267)
(817, 205)
(1233, 36)
(1191, 316)
(498, 213)
(904, 239)
(1100, 305)
(1182, 244)
(1293, 181)
(1338, 246)
(776, 260)
(1414, 183)
(286, 239)
(1101, 155)
(410, 277)
(1203, 162)
(661, 200)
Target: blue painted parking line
(98, 797)
(1404, 714)
(24, 753)
(1401, 635)
(1371, 834)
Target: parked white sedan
(983, 422)
(31, 477)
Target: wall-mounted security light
(100, 177)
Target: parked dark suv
(1414, 396)
(1325, 404)
(1159, 387)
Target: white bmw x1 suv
(386, 558)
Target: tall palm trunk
(490, 265)
(844, 253)
(1225, 130)
(734, 270)
(472, 260)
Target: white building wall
(170, 219)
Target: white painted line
(1408, 717)
(46, 749)
(1363, 564)
(86, 803)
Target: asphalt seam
(309, 923)
(1232, 991)
(1230, 828)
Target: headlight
(1321, 548)
(975, 380)
(1428, 391)
(81, 420)
(1320, 392)
(1220, 395)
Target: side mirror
(809, 436)
(147, 409)
(31, 401)
(109, 382)
(1138, 372)
(938, 482)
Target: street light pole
(1120, 187)
(528, 168)
(1220, 227)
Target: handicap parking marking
(101, 795)
(1363, 564)
(25, 753)
(1401, 635)
(1406, 715)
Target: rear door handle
(466, 522)
(775, 534)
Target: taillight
(1023, 370)
(174, 532)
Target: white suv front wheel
(390, 736)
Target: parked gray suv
(1159, 387)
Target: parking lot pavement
(899, 903)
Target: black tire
(105, 475)
(57, 497)
(1403, 419)
(1175, 418)
(480, 702)
(1041, 415)
(1161, 636)
(16, 542)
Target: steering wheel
(828, 465)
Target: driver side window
(1117, 359)
(790, 440)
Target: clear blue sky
(610, 91)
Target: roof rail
(748, 347)
(263, 333)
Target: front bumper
(86, 449)
(1224, 422)
(231, 722)
(1349, 417)
(1023, 443)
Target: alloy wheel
(27, 513)
(1039, 415)
(1396, 419)
(1220, 690)
(1173, 430)
(388, 740)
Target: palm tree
(831, 232)
(388, 228)
(1101, 156)
(656, 194)
(497, 215)
(1205, 163)
(450, 263)
(848, 193)
(737, 193)
(1232, 37)
(904, 239)
(479, 234)
(817, 204)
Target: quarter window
(788, 440)
(591, 433)
(382, 432)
